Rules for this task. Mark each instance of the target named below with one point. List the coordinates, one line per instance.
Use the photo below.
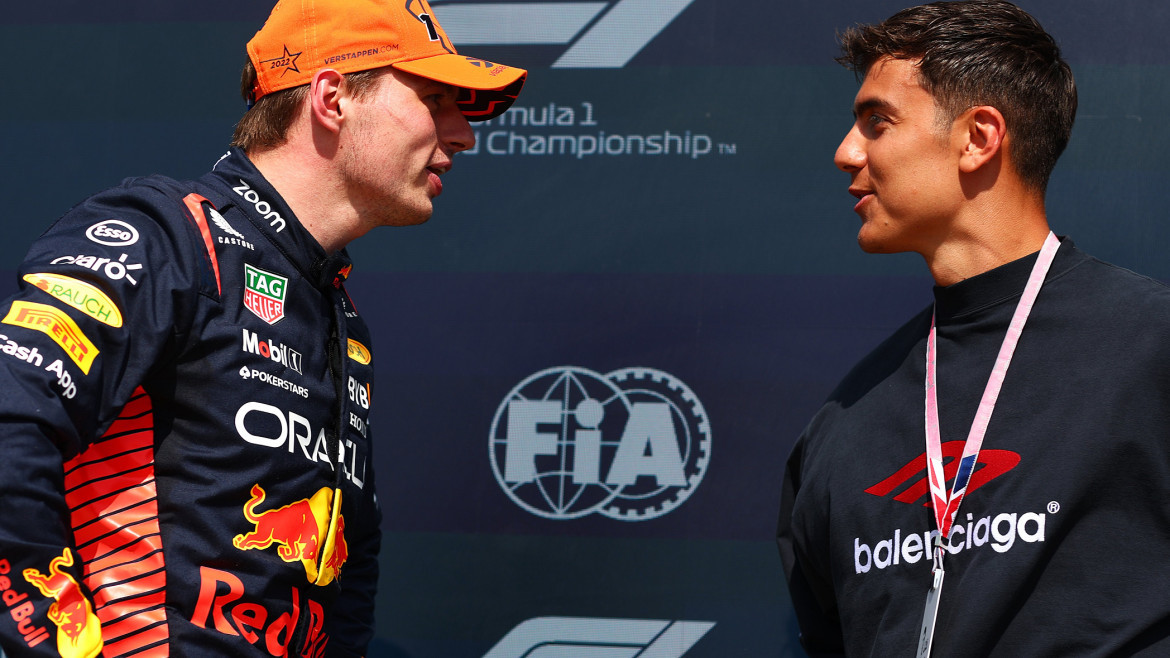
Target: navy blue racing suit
(185, 457)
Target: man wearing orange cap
(185, 385)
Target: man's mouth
(437, 170)
(861, 195)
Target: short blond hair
(266, 123)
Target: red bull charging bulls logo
(301, 530)
(79, 633)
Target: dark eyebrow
(871, 104)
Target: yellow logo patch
(359, 352)
(80, 295)
(53, 322)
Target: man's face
(903, 164)
(402, 136)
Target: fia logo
(631, 445)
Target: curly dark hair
(981, 52)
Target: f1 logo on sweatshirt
(911, 478)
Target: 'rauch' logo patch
(264, 294)
(80, 295)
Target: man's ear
(327, 99)
(986, 131)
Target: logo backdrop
(634, 292)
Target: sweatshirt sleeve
(102, 296)
(812, 595)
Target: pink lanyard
(947, 507)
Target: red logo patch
(911, 478)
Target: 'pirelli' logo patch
(54, 323)
(80, 295)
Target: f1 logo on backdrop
(631, 445)
(599, 35)
(603, 638)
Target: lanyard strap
(946, 508)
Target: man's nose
(850, 155)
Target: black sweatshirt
(1062, 545)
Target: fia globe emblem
(631, 445)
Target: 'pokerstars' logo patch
(264, 293)
(910, 481)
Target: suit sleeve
(100, 301)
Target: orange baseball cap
(301, 37)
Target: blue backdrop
(633, 294)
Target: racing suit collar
(245, 187)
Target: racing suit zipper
(336, 349)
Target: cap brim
(488, 88)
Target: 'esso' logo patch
(113, 233)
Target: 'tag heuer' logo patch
(80, 295)
(264, 293)
(911, 478)
(55, 324)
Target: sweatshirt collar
(999, 285)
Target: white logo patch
(113, 233)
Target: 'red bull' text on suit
(185, 391)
